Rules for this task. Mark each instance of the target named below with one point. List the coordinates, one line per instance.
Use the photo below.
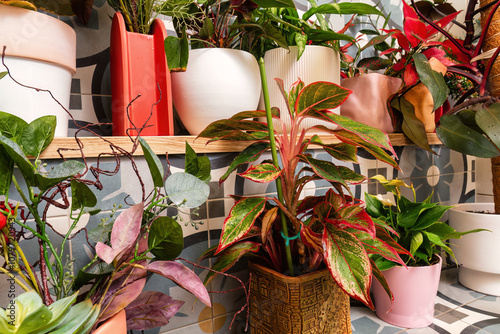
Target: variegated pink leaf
(151, 309)
(127, 226)
(348, 263)
(262, 173)
(183, 276)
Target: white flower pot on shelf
(40, 52)
(478, 254)
(217, 84)
(317, 63)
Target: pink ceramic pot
(368, 102)
(117, 324)
(414, 289)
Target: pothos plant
(117, 274)
(291, 233)
(416, 226)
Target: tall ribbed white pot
(317, 63)
(478, 254)
(217, 84)
(41, 53)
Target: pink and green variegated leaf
(230, 128)
(249, 114)
(324, 169)
(230, 256)
(387, 239)
(374, 149)
(151, 309)
(367, 133)
(262, 173)
(240, 220)
(311, 239)
(350, 176)
(379, 276)
(341, 151)
(321, 96)
(249, 154)
(359, 221)
(374, 245)
(348, 263)
(182, 276)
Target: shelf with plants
(93, 146)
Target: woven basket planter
(307, 304)
(491, 41)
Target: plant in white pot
(214, 75)
(416, 227)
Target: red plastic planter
(139, 71)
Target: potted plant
(116, 276)
(416, 227)
(39, 51)
(141, 88)
(212, 47)
(470, 127)
(314, 48)
(292, 237)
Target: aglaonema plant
(293, 233)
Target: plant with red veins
(295, 232)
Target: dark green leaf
(455, 135)
(100, 270)
(197, 166)
(17, 155)
(177, 53)
(154, 163)
(433, 80)
(11, 126)
(249, 154)
(61, 172)
(342, 8)
(37, 135)
(6, 169)
(166, 239)
(82, 196)
(488, 120)
(275, 3)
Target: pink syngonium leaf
(126, 287)
(126, 229)
(151, 309)
(183, 276)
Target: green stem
(274, 154)
(6, 272)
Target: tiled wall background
(451, 177)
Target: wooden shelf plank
(94, 146)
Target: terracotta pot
(478, 254)
(311, 303)
(139, 67)
(368, 101)
(414, 290)
(317, 63)
(41, 53)
(217, 84)
(117, 324)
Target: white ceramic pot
(317, 63)
(414, 290)
(217, 84)
(478, 254)
(40, 52)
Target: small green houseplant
(416, 227)
(290, 233)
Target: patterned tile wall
(449, 176)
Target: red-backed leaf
(311, 239)
(348, 263)
(360, 221)
(249, 154)
(240, 220)
(267, 223)
(321, 96)
(387, 239)
(440, 55)
(400, 65)
(415, 31)
(374, 245)
(410, 75)
(230, 256)
(379, 276)
(400, 37)
(151, 309)
(249, 114)
(324, 169)
(262, 173)
(456, 53)
(182, 276)
(441, 23)
(409, 12)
